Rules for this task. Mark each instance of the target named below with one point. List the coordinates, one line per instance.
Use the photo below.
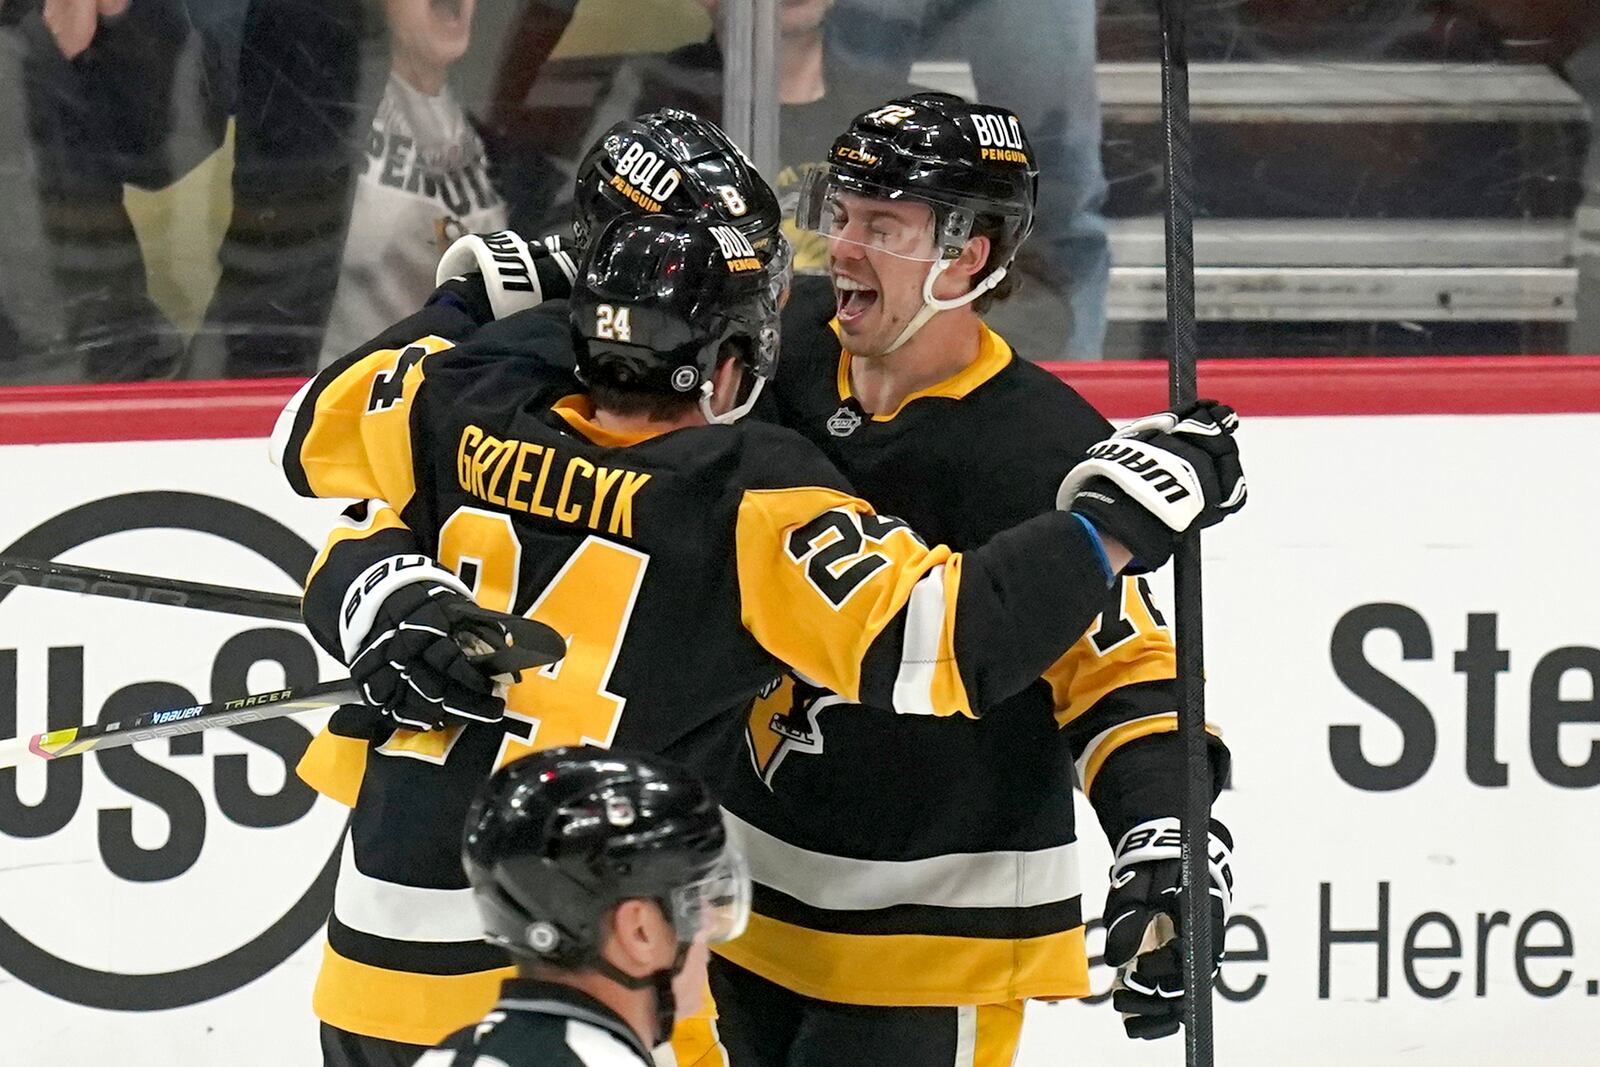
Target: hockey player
(914, 936)
(604, 876)
(685, 555)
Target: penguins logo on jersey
(784, 722)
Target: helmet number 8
(611, 323)
(732, 200)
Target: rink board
(1402, 651)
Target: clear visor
(718, 904)
(877, 219)
(781, 269)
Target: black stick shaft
(148, 589)
(1183, 352)
(166, 722)
(536, 643)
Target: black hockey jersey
(542, 1024)
(908, 862)
(683, 569)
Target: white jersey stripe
(283, 428)
(966, 1035)
(964, 880)
(402, 912)
(597, 1048)
(919, 651)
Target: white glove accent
(1162, 482)
(367, 593)
(1162, 839)
(506, 265)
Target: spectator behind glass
(425, 182)
(1036, 57)
(137, 94)
(822, 86)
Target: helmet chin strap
(932, 305)
(734, 414)
(659, 982)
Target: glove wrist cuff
(366, 594)
(1162, 839)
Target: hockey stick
(1182, 353)
(526, 635)
(76, 740)
(148, 589)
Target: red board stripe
(1420, 385)
(1410, 385)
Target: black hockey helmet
(674, 162)
(556, 840)
(966, 161)
(657, 297)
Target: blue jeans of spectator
(1036, 57)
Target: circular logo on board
(193, 851)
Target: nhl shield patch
(844, 422)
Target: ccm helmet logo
(855, 155)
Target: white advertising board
(1403, 650)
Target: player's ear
(728, 377)
(974, 258)
(963, 271)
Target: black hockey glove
(410, 660)
(493, 275)
(1156, 477)
(1146, 890)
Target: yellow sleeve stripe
(1078, 686)
(380, 516)
(356, 447)
(1102, 746)
(334, 765)
(1082, 677)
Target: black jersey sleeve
(1115, 696)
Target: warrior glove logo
(1162, 482)
(1144, 465)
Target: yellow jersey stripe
(909, 970)
(819, 607)
(432, 1005)
(334, 765)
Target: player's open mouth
(855, 298)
